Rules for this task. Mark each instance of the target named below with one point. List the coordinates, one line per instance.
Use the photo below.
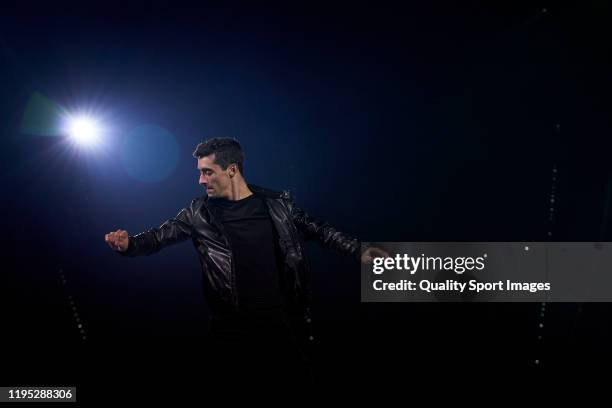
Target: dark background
(425, 122)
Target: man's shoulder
(270, 193)
(284, 195)
(197, 202)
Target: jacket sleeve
(174, 230)
(325, 234)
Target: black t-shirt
(254, 245)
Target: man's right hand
(117, 240)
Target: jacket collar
(264, 192)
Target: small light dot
(541, 325)
(485, 255)
(526, 248)
(311, 338)
(537, 361)
(79, 326)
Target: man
(249, 242)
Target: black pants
(260, 346)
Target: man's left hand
(369, 254)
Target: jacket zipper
(296, 245)
(232, 272)
(298, 248)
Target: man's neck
(239, 190)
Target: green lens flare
(41, 117)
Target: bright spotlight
(84, 131)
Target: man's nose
(202, 181)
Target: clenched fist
(367, 257)
(117, 240)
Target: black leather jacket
(292, 226)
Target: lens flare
(84, 131)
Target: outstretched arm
(330, 237)
(176, 229)
(327, 235)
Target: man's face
(213, 178)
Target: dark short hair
(226, 150)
